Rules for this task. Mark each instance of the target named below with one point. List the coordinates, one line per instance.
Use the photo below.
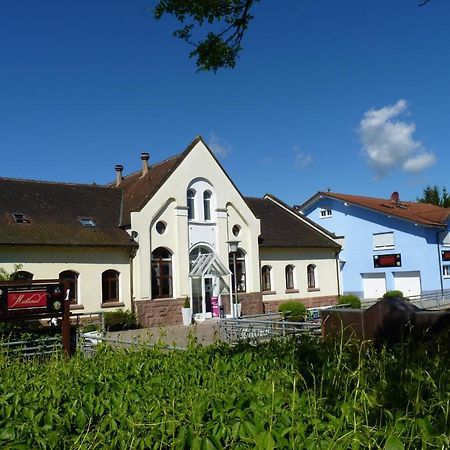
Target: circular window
(236, 230)
(161, 227)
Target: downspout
(133, 252)
(337, 273)
(439, 262)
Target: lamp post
(233, 246)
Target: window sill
(313, 289)
(268, 292)
(382, 249)
(76, 306)
(112, 305)
(291, 291)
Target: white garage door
(374, 284)
(408, 282)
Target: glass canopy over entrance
(209, 278)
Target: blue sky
(349, 95)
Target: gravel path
(205, 333)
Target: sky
(347, 95)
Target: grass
(295, 394)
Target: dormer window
(87, 222)
(20, 218)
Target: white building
(158, 235)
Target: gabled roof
(283, 226)
(420, 213)
(139, 190)
(52, 213)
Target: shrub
(120, 320)
(393, 294)
(350, 299)
(294, 311)
(187, 303)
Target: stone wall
(251, 303)
(159, 312)
(272, 305)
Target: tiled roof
(282, 226)
(139, 190)
(53, 211)
(421, 213)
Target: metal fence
(252, 329)
(427, 300)
(38, 347)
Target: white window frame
(383, 240)
(325, 212)
(445, 270)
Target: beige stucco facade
(325, 273)
(198, 171)
(89, 263)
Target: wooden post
(65, 326)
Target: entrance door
(208, 295)
(374, 284)
(408, 282)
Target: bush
(350, 299)
(393, 294)
(293, 311)
(120, 320)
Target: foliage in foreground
(293, 311)
(292, 394)
(350, 299)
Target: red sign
(446, 255)
(392, 260)
(27, 299)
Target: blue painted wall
(416, 244)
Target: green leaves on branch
(227, 20)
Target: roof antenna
(395, 197)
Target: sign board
(31, 297)
(445, 255)
(391, 260)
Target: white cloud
(302, 160)
(219, 147)
(388, 142)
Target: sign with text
(391, 260)
(30, 297)
(27, 299)
(445, 255)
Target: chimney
(144, 157)
(119, 169)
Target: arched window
(311, 274)
(265, 278)
(161, 273)
(207, 205)
(110, 286)
(240, 269)
(191, 203)
(289, 272)
(69, 279)
(22, 275)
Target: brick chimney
(145, 157)
(119, 169)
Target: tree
(5, 275)
(228, 20)
(433, 196)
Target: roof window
(20, 218)
(87, 222)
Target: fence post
(65, 325)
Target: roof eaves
(305, 219)
(391, 212)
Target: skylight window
(87, 222)
(20, 218)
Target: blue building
(387, 243)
